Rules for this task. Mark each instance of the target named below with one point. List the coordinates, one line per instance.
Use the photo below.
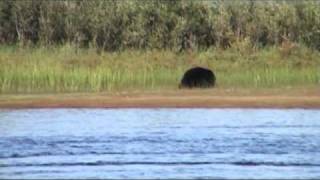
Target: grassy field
(67, 69)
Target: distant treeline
(114, 25)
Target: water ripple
(165, 143)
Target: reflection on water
(159, 143)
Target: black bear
(198, 77)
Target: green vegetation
(63, 69)
(94, 46)
(114, 25)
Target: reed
(65, 69)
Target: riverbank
(213, 98)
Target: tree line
(113, 25)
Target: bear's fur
(198, 77)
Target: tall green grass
(64, 69)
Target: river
(159, 143)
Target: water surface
(159, 143)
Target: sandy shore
(217, 98)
